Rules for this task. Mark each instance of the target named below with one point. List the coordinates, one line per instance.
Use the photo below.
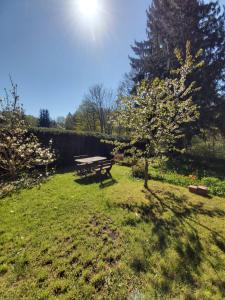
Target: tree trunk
(146, 173)
(12, 172)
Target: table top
(89, 160)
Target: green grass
(182, 175)
(73, 240)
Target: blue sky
(53, 55)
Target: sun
(88, 8)
(90, 16)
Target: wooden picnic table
(90, 160)
(90, 165)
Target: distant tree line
(92, 115)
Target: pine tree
(170, 24)
(44, 118)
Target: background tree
(170, 23)
(126, 85)
(156, 114)
(95, 110)
(31, 121)
(44, 118)
(101, 98)
(87, 116)
(53, 124)
(60, 121)
(70, 122)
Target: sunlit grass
(83, 240)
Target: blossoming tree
(156, 115)
(20, 151)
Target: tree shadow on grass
(104, 180)
(175, 226)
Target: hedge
(68, 144)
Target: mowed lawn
(78, 240)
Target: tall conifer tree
(170, 23)
(44, 119)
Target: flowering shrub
(21, 152)
(23, 160)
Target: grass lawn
(73, 240)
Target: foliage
(36, 177)
(185, 170)
(67, 133)
(68, 143)
(95, 110)
(80, 241)
(126, 86)
(87, 116)
(157, 114)
(123, 160)
(31, 121)
(70, 122)
(60, 121)
(20, 151)
(216, 186)
(138, 169)
(118, 157)
(209, 144)
(169, 25)
(44, 118)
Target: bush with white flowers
(23, 160)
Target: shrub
(138, 170)
(123, 160)
(3, 269)
(210, 181)
(118, 157)
(215, 185)
(67, 144)
(22, 157)
(24, 181)
(129, 161)
(211, 146)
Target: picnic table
(90, 160)
(92, 165)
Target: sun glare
(89, 8)
(91, 16)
